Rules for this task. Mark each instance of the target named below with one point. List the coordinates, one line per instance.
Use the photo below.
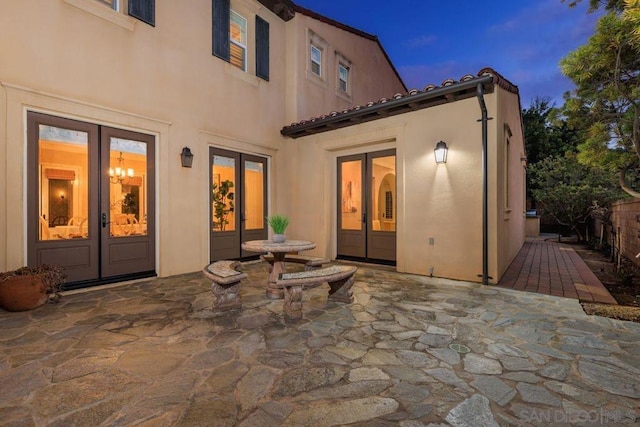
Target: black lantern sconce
(441, 152)
(186, 157)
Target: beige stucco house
(103, 102)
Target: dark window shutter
(262, 48)
(221, 23)
(144, 10)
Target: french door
(367, 207)
(91, 200)
(238, 194)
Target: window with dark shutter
(221, 26)
(262, 48)
(144, 10)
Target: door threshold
(368, 261)
(115, 280)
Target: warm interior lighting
(441, 152)
(118, 174)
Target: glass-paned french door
(91, 199)
(367, 207)
(238, 202)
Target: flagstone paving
(410, 351)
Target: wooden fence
(625, 216)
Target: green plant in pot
(278, 224)
(30, 287)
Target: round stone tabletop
(270, 246)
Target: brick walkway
(552, 268)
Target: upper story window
(238, 39)
(507, 167)
(343, 78)
(316, 60)
(113, 4)
(316, 68)
(117, 10)
(230, 34)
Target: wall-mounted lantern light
(186, 157)
(441, 152)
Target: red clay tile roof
(431, 95)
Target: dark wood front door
(238, 202)
(367, 207)
(91, 200)
(127, 202)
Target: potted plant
(30, 287)
(278, 224)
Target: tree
(606, 72)
(568, 190)
(546, 134)
(596, 4)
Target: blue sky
(432, 40)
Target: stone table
(279, 250)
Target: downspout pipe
(485, 188)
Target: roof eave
(405, 104)
(284, 9)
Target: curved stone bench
(339, 277)
(226, 277)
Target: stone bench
(310, 262)
(339, 277)
(226, 277)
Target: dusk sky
(432, 40)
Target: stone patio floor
(410, 351)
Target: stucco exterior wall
(509, 168)
(101, 67)
(372, 76)
(442, 202)
(78, 59)
(162, 81)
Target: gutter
(485, 188)
(413, 102)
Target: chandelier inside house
(118, 174)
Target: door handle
(104, 220)
(243, 218)
(364, 218)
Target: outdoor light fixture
(120, 173)
(441, 152)
(186, 157)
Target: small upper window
(113, 4)
(238, 38)
(316, 61)
(343, 78)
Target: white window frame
(246, 35)
(347, 71)
(113, 4)
(314, 41)
(343, 63)
(313, 48)
(103, 10)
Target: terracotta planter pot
(21, 293)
